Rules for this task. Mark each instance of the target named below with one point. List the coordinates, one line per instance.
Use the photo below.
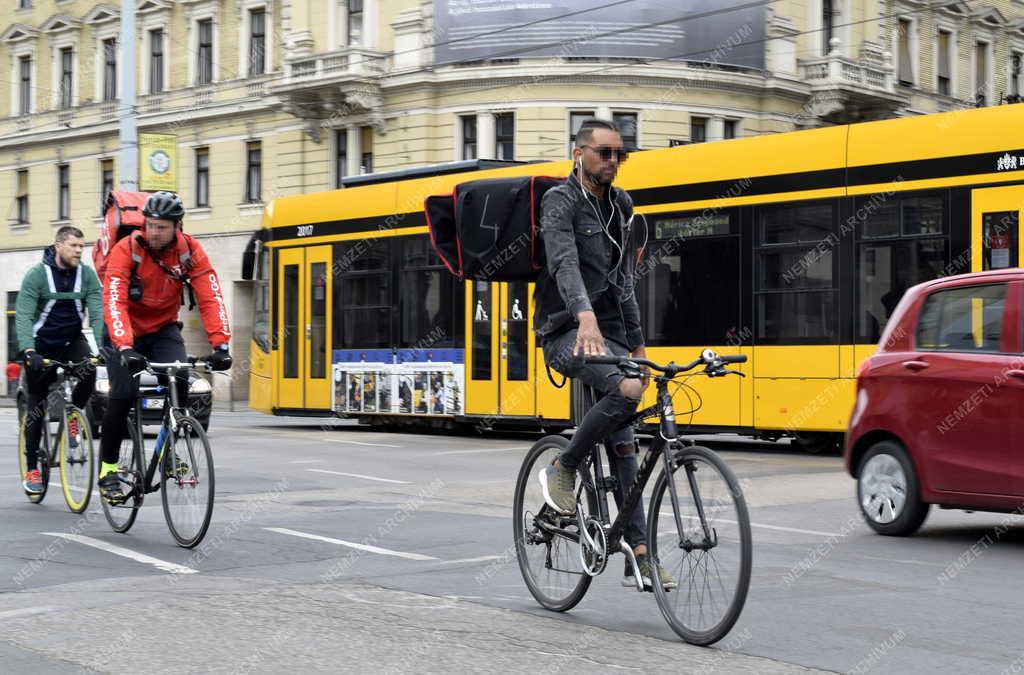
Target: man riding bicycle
(586, 306)
(54, 298)
(143, 289)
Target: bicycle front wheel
(549, 562)
(77, 467)
(42, 464)
(129, 462)
(709, 556)
(188, 482)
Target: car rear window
(962, 319)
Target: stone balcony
(848, 90)
(337, 84)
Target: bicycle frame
(172, 410)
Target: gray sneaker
(559, 486)
(668, 582)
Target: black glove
(220, 359)
(33, 360)
(133, 361)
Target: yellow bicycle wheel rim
(77, 497)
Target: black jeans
(38, 383)
(600, 422)
(164, 345)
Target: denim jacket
(582, 262)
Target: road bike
(181, 463)
(68, 447)
(698, 527)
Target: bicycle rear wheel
(549, 562)
(76, 460)
(42, 453)
(712, 566)
(129, 462)
(188, 482)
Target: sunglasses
(606, 153)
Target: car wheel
(888, 490)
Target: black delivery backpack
(489, 230)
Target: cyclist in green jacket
(52, 303)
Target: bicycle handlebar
(71, 365)
(713, 362)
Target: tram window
(429, 297)
(679, 280)
(921, 215)
(362, 294)
(885, 270)
(291, 321)
(261, 298)
(796, 223)
(878, 218)
(795, 290)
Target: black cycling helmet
(164, 205)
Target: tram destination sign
(729, 32)
(691, 226)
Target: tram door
(995, 228)
(500, 354)
(304, 328)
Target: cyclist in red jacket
(144, 287)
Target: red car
(939, 415)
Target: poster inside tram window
(355, 392)
(452, 394)
(437, 393)
(405, 394)
(340, 390)
(421, 394)
(369, 392)
(384, 393)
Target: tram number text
(304, 231)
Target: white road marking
(359, 475)
(360, 547)
(483, 558)
(26, 611)
(173, 568)
(475, 452)
(308, 461)
(780, 528)
(310, 437)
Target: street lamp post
(129, 131)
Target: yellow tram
(791, 248)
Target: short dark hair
(68, 231)
(586, 131)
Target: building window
(505, 125)
(257, 42)
(698, 129)
(106, 181)
(981, 97)
(1016, 78)
(25, 85)
(468, 123)
(109, 69)
(905, 29)
(355, 22)
(729, 129)
(202, 177)
(63, 192)
(366, 161)
(576, 120)
(827, 26)
(627, 129)
(22, 197)
(24, 4)
(944, 73)
(253, 172)
(67, 77)
(204, 53)
(156, 60)
(340, 156)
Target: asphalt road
(345, 549)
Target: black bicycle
(181, 463)
(69, 447)
(698, 525)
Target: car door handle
(916, 366)
(1019, 374)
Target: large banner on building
(158, 162)
(717, 31)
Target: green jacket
(52, 304)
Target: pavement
(335, 548)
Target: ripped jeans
(600, 422)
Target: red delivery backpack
(122, 216)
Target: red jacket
(161, 298)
